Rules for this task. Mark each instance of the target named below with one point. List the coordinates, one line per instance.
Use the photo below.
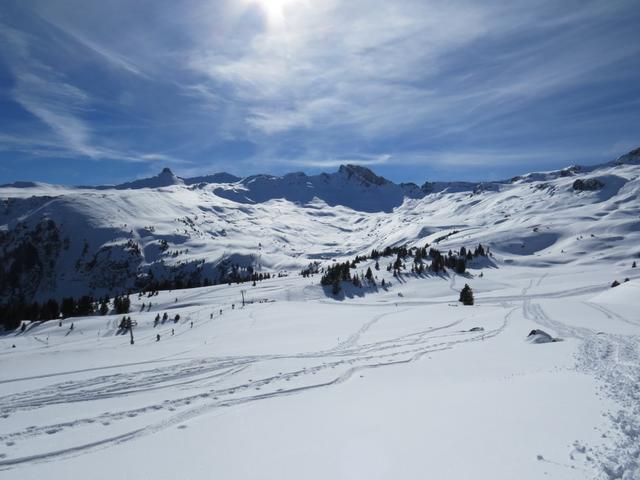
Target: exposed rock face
(28, 258)
(165, 178)
(589, 184)
(363, 174)
(540, 336)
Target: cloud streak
(43, 91)
(299, 83)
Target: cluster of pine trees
(439, 261)
(121, 304)
(13, 312)
(85, 305)
(180, 284)
(313, 267)
(336, 273)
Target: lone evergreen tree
(466, 295)
(104, 307)
(369, 274)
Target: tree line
(13, 312)
(422, 259)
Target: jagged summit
(352, 186)
(165, 178)
(631, 158)
(363, 174)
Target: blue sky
(102, 92)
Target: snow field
(371, 386)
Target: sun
(274, 10)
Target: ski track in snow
(615, 361)
(194, 387)
(334, 366)
(199, 386)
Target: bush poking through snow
(466, 295)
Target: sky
(102, 92)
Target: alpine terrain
(337, 325)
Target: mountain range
(107, 239)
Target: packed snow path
(75, 398)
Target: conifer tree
(85, 306)
(369, 274)
(68, 307)
(104, 307)
(466, 295)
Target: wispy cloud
(299, 83)
(113, 58)
(319, 161)
(46, 94)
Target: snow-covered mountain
(57, 241)
(396, 379)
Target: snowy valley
(258, 371)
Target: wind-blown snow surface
(388, 383)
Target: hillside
(396, 382)
(389, 377)
(70, 241)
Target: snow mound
(527, 245)
(627, 293)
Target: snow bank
(627, 293)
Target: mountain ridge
(57, 241)
(363, 174)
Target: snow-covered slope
(400, 383)
(393, 381)
(57, 241)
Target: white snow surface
(391, 382)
